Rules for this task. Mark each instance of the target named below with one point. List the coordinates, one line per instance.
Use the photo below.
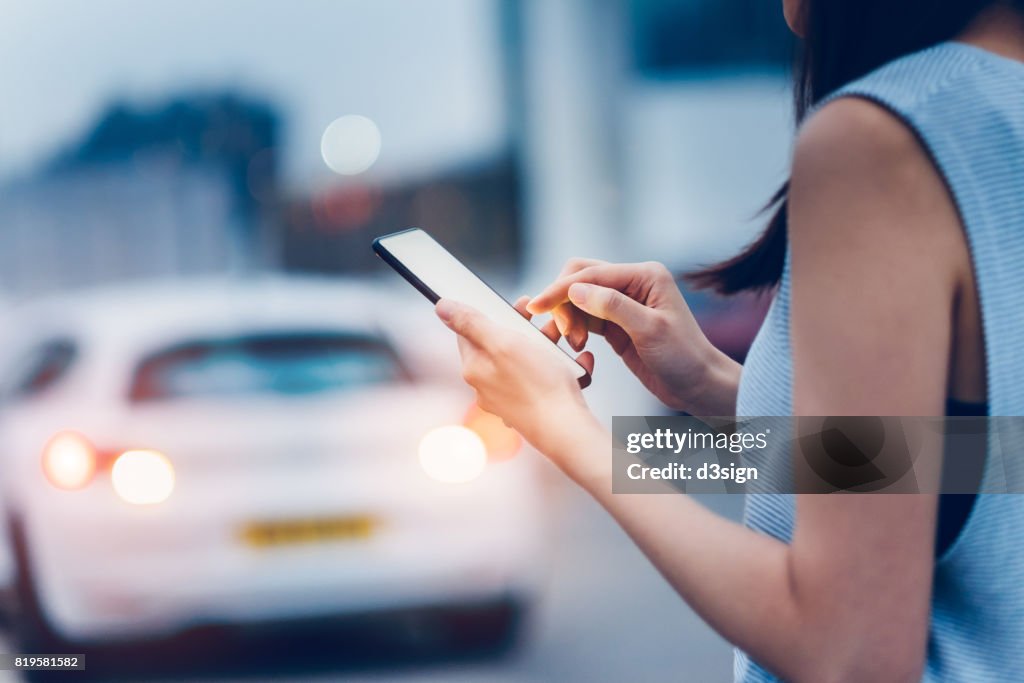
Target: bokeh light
(142, 477)
(452, 454)
(501, 441)
(351, 144)
(69, 461)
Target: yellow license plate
(305, 531)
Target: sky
(428, 72)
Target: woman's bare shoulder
(858, 157)
(854, 135)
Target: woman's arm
(876, 249)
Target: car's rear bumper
(118, 571)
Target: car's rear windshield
(285, 364)
(44, 367)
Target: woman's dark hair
(843, 40)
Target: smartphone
(431, 269)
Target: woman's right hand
(640, 311)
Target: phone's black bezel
(390, 259)
(426, 291)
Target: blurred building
(671, 38)
(192, 187)
(474, 207)
(647, 128)
(113, 222)
(182, 188)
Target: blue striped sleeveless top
(967, 107)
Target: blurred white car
(218, 453)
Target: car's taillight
(452, 454)
(502, 442)
(69, 460)
(142, 477)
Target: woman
(896, 255)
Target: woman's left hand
(518, 380)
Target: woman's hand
(519, 381)
(638, 308)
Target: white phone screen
(447, 278)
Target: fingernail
(531, 306)
(579, 292)
(444, 309)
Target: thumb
(609, 304)
(465, 321)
